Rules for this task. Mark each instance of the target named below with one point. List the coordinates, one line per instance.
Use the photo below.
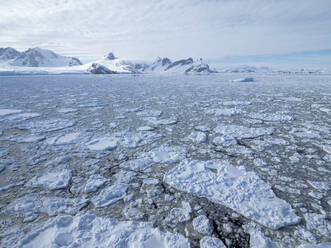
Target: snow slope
(35, 57)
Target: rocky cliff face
(100, 69)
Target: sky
(218, 30)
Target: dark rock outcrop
(96, 68)
(180, 62)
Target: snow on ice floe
(125, 139)
(42, 126)
(178, 215)
(30, 205)
(236, 103)
(211, 242)
(94, 183)
(66, 110)
(4, 112)
(29, 138)
(225, 111)
(224, 141)
(145, 128)
(202, 225)
(242, 132)
(277, 116)
(162, 154)
(318, 223)
(23, 116)
(102, 144)
(321, 245)
(68, 138)
(110, 195)
(157, 121)
(150, 113)
(124, 176)
(198, 137)
(55, 178)
(88, 230)
(242, 80)
(235, 187)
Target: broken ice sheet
(236, 188)
(55, 178)
(88, 230)
(162, 154)
(42, 126)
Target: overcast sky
(144, 29)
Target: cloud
(148, 28)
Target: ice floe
(162, 154)
(235, 187)
(88, 230)
(242, 132)
(55, 178)
(67, 138)
(4, 112)
(202, 225)
(226, 111)
(66, 110)
(277, 116)
(94, 183)
(242, 80)
(30, 205)
(110, 195)
(150, 113)
(102, 144)
(211, 242)
(42, 126)
(198, 137)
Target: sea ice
(226, 111)
(101, 144)
(224, 141)
(66, 110)
(157, 121)
(318, 223)
(32, 204)
(277, 116)
(243, 80)
(162, 154)
(202, 225)
(42, 126)
(87, 230)
(211, 242)
(64, 139)
(198, 137)
(94, 183)
(242, 132)
(124, 176)
(23, 116)
(110, 195)
(235, 187)
(55, 178)
(150, 113)
(2, 167)
(4, 112)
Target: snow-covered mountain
(8, 53)
(160, 65)
(116, 65)
(35, 57)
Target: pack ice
(236, 188)
(87, 230)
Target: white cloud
(147, 28)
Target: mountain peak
(110, 56)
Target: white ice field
(165, 161)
